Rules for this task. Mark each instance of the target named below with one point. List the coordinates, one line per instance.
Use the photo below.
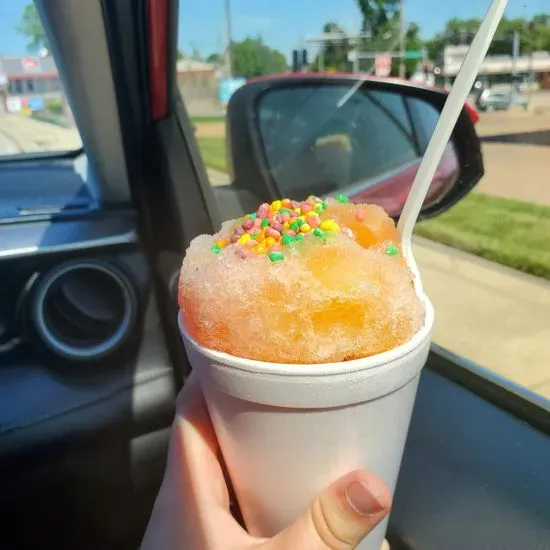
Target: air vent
(84, 310)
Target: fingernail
(362, 500)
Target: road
(32, 135)
(516, 153)
(7, 145)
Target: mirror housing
(294, 135)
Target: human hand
(192, 510)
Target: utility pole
(401, 39)
(229, 41)
(515, 55)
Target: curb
(463, 256)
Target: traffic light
(295, 62)
(299, 61)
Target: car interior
(91, 360)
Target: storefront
(29, 84)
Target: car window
(486, 262)
(35, 115)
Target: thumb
(340, 517)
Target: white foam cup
(287, 432)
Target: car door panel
(82, 442)
(474, 475)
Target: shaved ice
(300, 282)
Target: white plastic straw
(444, 128)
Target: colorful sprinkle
(287, 240)
(330, 225)
(276, 256)
(392, 250)
(341, 198)
(281, 223)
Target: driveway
(516, 153)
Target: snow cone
(303, 324)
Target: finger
(340, 517)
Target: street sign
(414, 55)
(382, 64)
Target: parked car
(497, 100)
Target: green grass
(510, 232)
(199, 119)
(56, 119)
(213, 153)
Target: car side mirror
(322, 135)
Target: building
(28, 83)
(495, 69)
(197, 80)
(32, 83)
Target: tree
(333, 55)
(252, 58)
(180, 55)
(534, 35)
(214, 58)
(377, 13)
(31, 26)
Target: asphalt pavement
(7, 145)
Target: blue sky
(282, 23)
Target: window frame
(498, 390)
